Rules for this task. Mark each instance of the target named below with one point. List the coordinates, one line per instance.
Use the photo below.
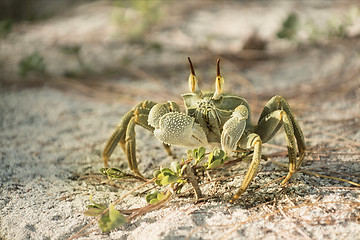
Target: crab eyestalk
(219, 82)
(193, 81)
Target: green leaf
(214, 164)
(113, 173)
(94, 209)
(175, 167)
(201, 152)
(103, 171)
(215, 159)
(96, 205)
(156, 173)
(211, 157)
(155, 197)
(158, 182)
(169, 179)
(167, 171)
(190, 153)
(151, 196)
(168, 175)
(93, 212)
(197, 154)
(115, 216)
(160, 196)
(221, 154)
(103, 221)
(112, 220)
(109, 219)
(153, 201)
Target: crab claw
(160, 110)
(176, 128)
(234, 128)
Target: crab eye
(193, 81)
(219, 82)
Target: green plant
(216, 158)
(169, 182)
(74, 51)
(166, 176)
(336, 26)
(155, 197)
(136, 18)
(198, 154)
(32, 63)
(5, 27)
(289, 27)
(178, 174)
(109, 217)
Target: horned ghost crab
(211, 117)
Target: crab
(211, 117)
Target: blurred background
(133, 50)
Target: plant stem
(151, 207)
(192, 179)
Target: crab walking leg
(140, 117)
(168, 149)
(300, 140)
(269, 125)
(279, 103)
(130, 146)
(252, 141)
(125, 131)
(290, 139)
(116, 137)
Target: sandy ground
(52, 137)
(51, 142)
